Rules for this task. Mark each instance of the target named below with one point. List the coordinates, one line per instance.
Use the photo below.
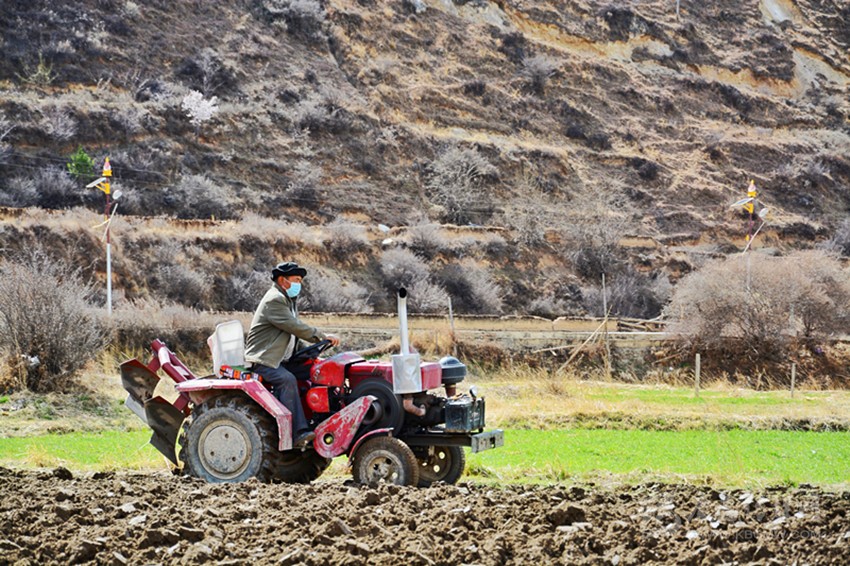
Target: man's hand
(333, 338)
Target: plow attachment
(161, 416)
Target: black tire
(444, 463)
(391, 411)
(295, 466)
(229, 438)
(385, 459)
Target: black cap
(286, 269)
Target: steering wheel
(310, 352)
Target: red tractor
(387, 416)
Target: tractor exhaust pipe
(402, 320)
(407, 374)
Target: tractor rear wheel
(440, 463)
(300, 467)
(391, 412)
(385, 459)
(229, 438)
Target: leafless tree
(48, 329)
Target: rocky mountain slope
(512, 150)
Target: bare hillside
(513, 150)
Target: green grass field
(732, 458)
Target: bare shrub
(6, 128)
(206, 72)
(402, 268)
(303, 18)
(472, 288)
(19, 192)
(55, 188)
(345, 239)
(324, 114)
(457, 181)
(758, 312)
(242, 290)
(303, 188)
(48, 330)
(549, 306)
(538, 70)
(426, 239)
(58, 123)
(630, 294)
(595, 222)
(840, 241)
(182, 285)
(197, 196)
(326, 291)
(427, 297)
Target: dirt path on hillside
(54, 517)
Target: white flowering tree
(199, 109)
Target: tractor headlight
(474, 391)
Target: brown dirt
(53, 517)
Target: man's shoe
(303, 439)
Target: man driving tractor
(273, 337)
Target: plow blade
(165, 420)
(160, 415)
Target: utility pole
(107, 173)
(102, 184)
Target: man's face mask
(294, 289)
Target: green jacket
(274, 327)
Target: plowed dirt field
(55, 517)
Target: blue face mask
(294, 289)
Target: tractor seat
(227, 345)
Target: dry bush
(402, 268)
(345, 239)
(457, 184)
(549, 306)
(326, 291)
(197, 196)
(206, 73)
(630, 294)
(19, 192)
(472, 288)
(537, 71)
(6, 128)
(427, 297)
(48, 330)
(303, 18)
(242, 290)
(58, 123)
(181, 284)
(840, 241)
(595, 222)
(303, 188)
(804, 296)
(326, 113)
(427, 240)
(56, 189)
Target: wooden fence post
(793, 377)
(696, 375)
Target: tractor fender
(370, 434)
(253, 389)
(337, 432)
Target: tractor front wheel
(229, 439)
(385, 459)
(440, 463)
